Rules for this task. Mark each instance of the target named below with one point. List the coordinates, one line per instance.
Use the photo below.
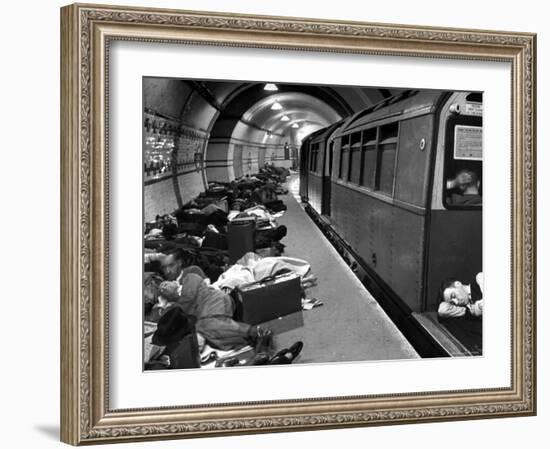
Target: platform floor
(350, 325)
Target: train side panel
(388, 232)
(455, 249)
(408, 257)
(412, 177)
(388, 239)
(315, 191)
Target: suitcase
(220, 202)
(215, 192)
(214, 240)
(240, 237)
(191, 228)
(270, 298)
(263, 223)
(176, 331)
(185, 353)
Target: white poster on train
(468, 143)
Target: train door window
(304, 158)
(316, 160)
(328, 159)
(341, 142)
(316, 166)
(387, 152)
(355, 158)
(463, 162)
(317, 156)
(311, 157)
(369, 158)
(344, 159)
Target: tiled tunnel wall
(179, 155)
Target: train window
(387, 151)
(340, 158)
(344, 158)
(369, 158)
(317, 152)
(355, 158)
(312, 157)
(463, 163)
(315, 157)
(475, 96)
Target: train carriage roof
(409, 101)
(323, 133)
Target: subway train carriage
(382, 184)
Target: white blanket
(252, 267)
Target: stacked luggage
(227, 229)
(217, 227)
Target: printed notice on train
(468, 143)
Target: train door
(327, 177)
(304, 168)
(455, 234)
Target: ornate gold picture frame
(87, 32)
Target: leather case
(270, 298)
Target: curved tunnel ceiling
(238, 106)
(298, 107)
(217, 107)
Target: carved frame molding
(86, 33)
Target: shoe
(258, 359)
(209, 358)
(281, 359)
(232, 361)
(287, 355)
(296, 348)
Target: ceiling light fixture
(270, 86)
(295, 125)
(276, 106)
(285, 118)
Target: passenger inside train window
(464, 189)
(458, 300)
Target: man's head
(468, 181)
(172, 263)
(454, 292)
(151, 290)
(169, 231)
(169, 290)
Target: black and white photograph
(299, 223)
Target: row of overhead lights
(276, 106)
